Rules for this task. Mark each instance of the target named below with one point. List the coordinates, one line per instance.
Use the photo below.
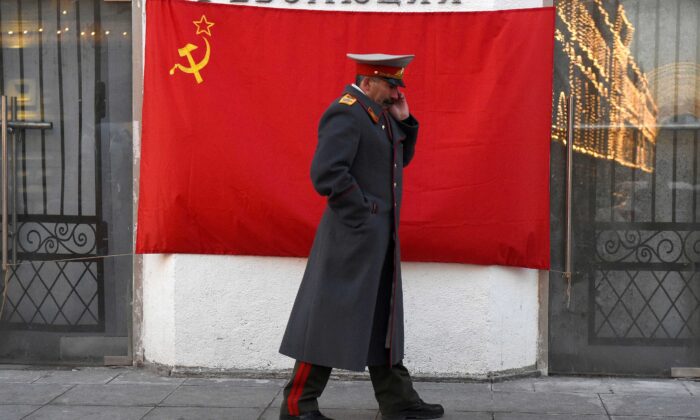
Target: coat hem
(323, 363)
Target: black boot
(311, 415)
(422, 410)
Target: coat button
(394, 184)
(394, 165)
(382, 126)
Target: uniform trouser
(393, 388)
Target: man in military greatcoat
(348, 312)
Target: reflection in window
(614, 105)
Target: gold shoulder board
(347, 99)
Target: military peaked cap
(388, 67)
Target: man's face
(381, 91)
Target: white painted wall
(229, 312)
(158, 338)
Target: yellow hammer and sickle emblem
(194, 68)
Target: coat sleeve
(338, 140)
(410, 128)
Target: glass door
(633, 303)
(65, 69)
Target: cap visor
(394, 82)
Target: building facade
(631, 304)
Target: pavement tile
(642, 405)
(463, 387)
(572, 385)
(63, 412)
(648, 387)
(464, 415)
(518, 385)
(221, 396)
(118, 394)
(345, 414)
(236, 382)
(273, 412)
(539, 416)
(203, 413)
(693, 387)
(277, 402)
(348, 395)
(79, 376)
(21, 376)
(146, 377)
(30, 393)
(16, 412)
(547, 403)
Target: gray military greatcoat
(354, 265)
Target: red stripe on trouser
(297, 388)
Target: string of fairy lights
(614, 108)
(62, 31)
(39, 30)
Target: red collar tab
(373, 115)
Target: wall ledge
(338, 374)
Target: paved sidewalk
(130, 393)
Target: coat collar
(373, 109)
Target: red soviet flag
(232, 99)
